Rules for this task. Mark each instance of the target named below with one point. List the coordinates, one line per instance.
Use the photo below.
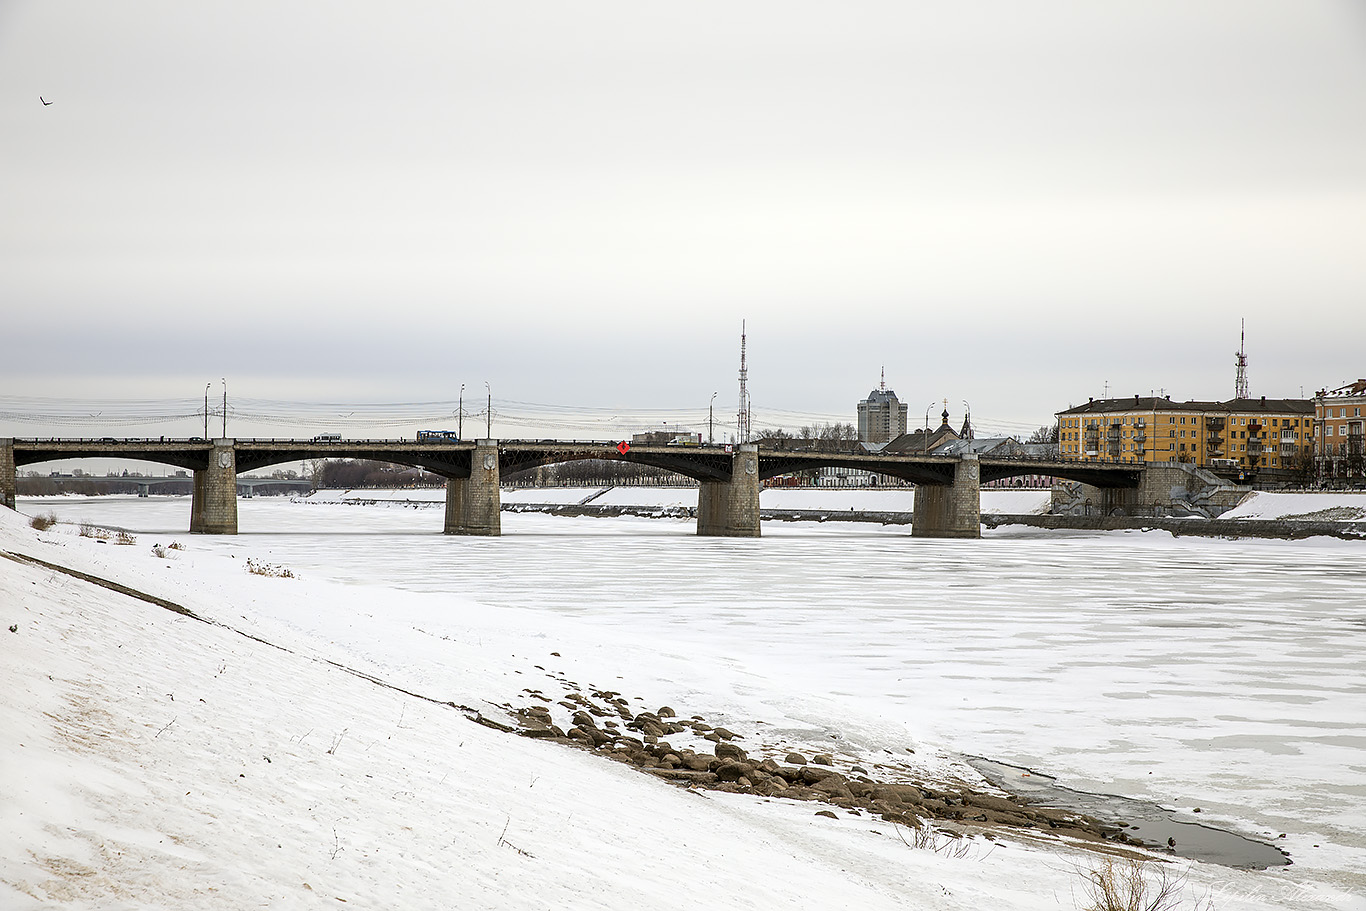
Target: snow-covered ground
(1325, 506)
(1225, 675)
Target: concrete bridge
(947, 500)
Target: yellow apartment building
(1246, 434)
(1338, 432)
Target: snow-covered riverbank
(1216, 674)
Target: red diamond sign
(623, 447)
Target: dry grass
(43, 522)
(91, 530)
(260, 568)
(941, 841)
(1135, 885)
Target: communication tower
(743, 416)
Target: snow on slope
(154, 761)
(1327, 506)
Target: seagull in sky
(44, 101)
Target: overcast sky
(1012, 204)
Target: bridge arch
(774, 464)
(1096, 475)
(698, 465)
(446, 463)
(189, 460)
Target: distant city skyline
(1014, 206)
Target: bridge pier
(950, 510)
(730, 509)
(213, 507)
(473, 504)
(7, 483)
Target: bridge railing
(781, 447)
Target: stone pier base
(730, 509)
(950, 510)
(7, 484)
(473, 504)
(213, 507)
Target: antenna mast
(742, 418)
(1241, 390)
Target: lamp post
(488, 413)
(225, 407)
(460, 415)
(206, 410)
(927, 426)
(711, 413)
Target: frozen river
(1224, 675)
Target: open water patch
(1149, 823)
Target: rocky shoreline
(1285, 529)
(602, 722)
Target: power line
(596, 420)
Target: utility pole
(460, 419)
(711, 413)
(488, 413)
(225, 407)
(206, 410)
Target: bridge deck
(452, 459)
